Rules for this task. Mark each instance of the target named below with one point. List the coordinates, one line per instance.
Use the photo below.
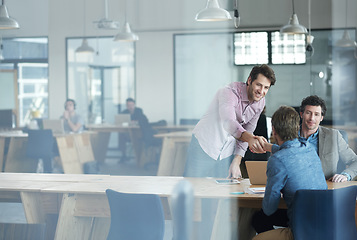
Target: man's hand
(338, 178)
(234, 169)
(66, 115)
(256, 144)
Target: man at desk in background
(73, 122)
(295, 165)
(137, 118)
(328, 142)
(223, 134)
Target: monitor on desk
(122, 119)
(6, 118)
(56, 125)
(257, 172)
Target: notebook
(56, 125)
(122, 119)
(257, 172)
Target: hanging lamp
(213, 12)
(126, 35)
(293, 27)
(346, 40)
(5, 21)
(84, 48)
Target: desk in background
(74, 149)
(173, 153)
(100, 141)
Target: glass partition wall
(328, 71)
(100, 81)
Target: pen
(237, 192)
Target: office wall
(155, 21)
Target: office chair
(135, 216)
(40, 146)
(325, 214)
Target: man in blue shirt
(295, 165)
(328, 143)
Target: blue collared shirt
(294, 166)
(313, 140)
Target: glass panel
(288, 48)
(33, 91)
(102, 80)
(250, 48)
(25, 48)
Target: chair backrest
(325, 214)
(188, 121)
(40, 144)
(135, 216)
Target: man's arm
(234, 168)
(275, 183)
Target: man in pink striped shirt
(223, 134)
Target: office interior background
(177, 65)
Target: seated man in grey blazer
(328, 142)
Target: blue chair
(40, 145)
(325, 214)
(135, 216)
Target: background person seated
(73, 122)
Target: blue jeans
(199, 164)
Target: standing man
(328, 142)
(295, 165)
(223, 134)
(73, 122)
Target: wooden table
(173, 128)
(83, 206)
(100, 141)
(173, 153)
(74, 149)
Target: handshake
(258, 144)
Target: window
(29, 57)
(252, 48)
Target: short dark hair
(130, 100)
(313, 100)
(286, 123)
(70, 100)
(264, 70)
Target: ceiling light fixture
(105, 22)
(126, 35)
(84, 48)
(346, 40)
(236, 14)
(293, 27)
(5, 21)
(213, 12)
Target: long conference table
(83, 208)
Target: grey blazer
(333, 147)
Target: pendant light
(84, 48)
(293, 27)
(126, 35)
(213, 12)
(236, 14)
(346, 40)
(5, 21)
(309, 37)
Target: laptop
(56, 125)
(257, 172)
(122, 119)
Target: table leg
(32, 204)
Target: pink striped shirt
(228, 116)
